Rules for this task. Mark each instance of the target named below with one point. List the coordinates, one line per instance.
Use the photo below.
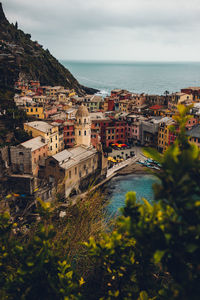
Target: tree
(154, 250)
(166, 93)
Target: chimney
(2, 15)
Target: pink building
(50, 111)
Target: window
(70, 174)
(52, 163)
(80, 174)
(85, 132)
(51, 140)
(56, 137)
(36, 109)
(21, 153)
(79, 132)
(31, 110)
(85, 121)
(56, 146)
(75, 170)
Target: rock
(19, 54)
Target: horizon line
(126, 61)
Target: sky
(111, 30)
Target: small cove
(117, 187)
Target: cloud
(94, 28)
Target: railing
(120, 166)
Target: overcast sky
(130, 30)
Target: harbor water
(117, 188)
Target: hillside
(19, 55)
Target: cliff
(19, 55)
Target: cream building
(74, 168)
(82, 127)
(50, 134)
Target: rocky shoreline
(134, 168)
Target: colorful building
(194, 135)
(48, 132)
(35, 111)
(69, 134)
(26, 157)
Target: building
(35, 111)
(134, 134)
(179, 98)
(194, 135)
(149, 130)
(25, 157)
(194, 91)
(75, 168)
(113, 132)
(163, 134)
(82, 127)
(48, 132)
(69, 134)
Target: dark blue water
(138, 77)
(119, 186)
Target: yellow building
(72, 93)
(105, 105)
(163, 135)
(123, 105)
(52, 91)
(49, 132)
(35, 111)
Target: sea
(137, 77)
(117, 188)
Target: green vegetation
(11, 120)
(21, 55)
(151, 253)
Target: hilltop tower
(83, 127)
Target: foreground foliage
(152, 252)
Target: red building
(112, 131)
(69, 134)
(111, 105)
(95, 134)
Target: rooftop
(34, 143)
(69, 158)
(40, 125)
(194, 132)
(82, 111)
